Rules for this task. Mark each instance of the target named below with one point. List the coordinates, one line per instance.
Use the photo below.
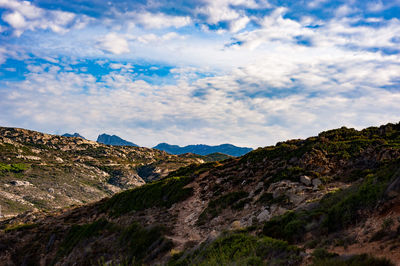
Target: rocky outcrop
(42, 171)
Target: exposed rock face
(41, 171)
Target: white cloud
(114, 43)
(159, 20)
(23, 15)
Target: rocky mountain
(75, 135)
(332, 199)
(202, 149)
(114, 140)
(44, 172)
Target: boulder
(20, 183)
(316, 182)
(306, 180)
(263, 216)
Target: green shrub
(77, 233)
(144, 243)
(240, 249)
(19, 227)
(162, 193)
(13, 168)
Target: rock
(51, 190)
(20, 183)
(263, 216)
(316, 182)
(305, 180)
(296, 199)
(236, 225)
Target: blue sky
(249, 72)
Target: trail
(189, 210)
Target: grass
(240, 249)
(215, 207)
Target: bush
(77, 233)
(162, 193)
(13, 168)
(144, 243)
(241, 249)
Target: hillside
(114, 140)
(43, 172)
(324, 200)
(202, 149)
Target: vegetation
(13, 168)
(329, 259)
(345, 143)
(161, 193)
(77, 233)
(19, 227)
(144, 243)
(240, 249)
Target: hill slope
(202, 149)
(319, 201)
(114, 140)
(42, 172)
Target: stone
(306, 180)
(316, 182)
(263, 216)
(19, 183)
(236, 225)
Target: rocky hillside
(43, 172)
(325, 200)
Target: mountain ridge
(114, 140)
(203, 149)
(75, 135)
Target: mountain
(75, 135)
(45, 172)
(324, 200)
(202, 149)
(114, 140)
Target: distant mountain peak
(114, 140)
(203, 149)
(75, 135)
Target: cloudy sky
(247, 72)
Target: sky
(246, 72)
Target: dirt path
(188, 212)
